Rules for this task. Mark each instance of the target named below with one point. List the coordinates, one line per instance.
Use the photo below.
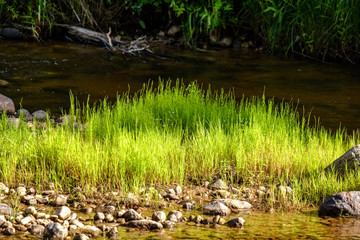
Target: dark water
(40, 77)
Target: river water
(41, 75)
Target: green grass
(177, 133)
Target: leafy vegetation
(180, 133)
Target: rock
(159, 216)
(225, 42)
(37, 230)
(2, 220)
(173, 30)
(109, 218)
(99, 216)
(341, 204)
(6, 210)
(178, 189)
(27, 220)
(144, 224)
(219, 185)
(9, 231)
(13, 122)
(60, 200)
(110, 209)
(235, 205)
(189, 206)
(4, 188)
(119, 214)
(11, 33)
(3, 82)
(63, 212)
(24, 113)
(21, 228)
(172, 196)
(168, 224)
(216, 208)
(175, 216)
(92, 230)
(81, 237)
(6, 105)
(131, 215)
(236, 223)
(39, 115)
(55, 231)
(48, 192)
(77, 223)
(347, 162)
(21, 191)
(31, 210)
(113, 233)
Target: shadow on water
(40, 77)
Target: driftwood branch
(136, 46)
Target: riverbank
(322, 30)
(181, 134)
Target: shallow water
(40, 77)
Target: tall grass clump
(179, 133)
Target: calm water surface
(40, 77)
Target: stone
(39, 115)
(27, 220)
(60, 200)
(225, 42)
(173, 30)
(341, 204)
(219, 185)
(2, 220)
(3, 82)
(92, 230)
(189, 206)
(144, 224)
(31, 210)
(24, 113)
(172, 196)
(159, 216)
(9, 231)
(109, 218)
(6, 105)
(235, 205)
(63, 212)
(113, 233)
(4, 188)
(11, 33)
(99, 216)
(216, 208)
(81, 237)
(6, 210)
(119, 214)
(175, 216)
(347, 162)
(131, 215)
(21, 191)
(110, 209)
(21, 228)
(236, 223)
(37, 229)
(77, 223)
(55, 231)
(178, 189)
(48, 192)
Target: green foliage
(179, 133)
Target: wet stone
(131, 214)
(144, 224)
(55, 231)
(235, 205)
(175, 216)
(341, 204)
(216, 208)
(159, 216)
(236, 223)
(63, 212)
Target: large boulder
(347, 162)
(236, 205)
(6, 105)
(341, 204)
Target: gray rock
(60, 200)
(113, 233)
(175, 216)
(159, 216)
(144, 224)
(6, 210)
(27, 220)
(92, 230)
(219, 185)
(77, 223)
(109, 218)
(347, 162)
(225, 42)
(55, 231)
(236, 223)
(235, 205)
(99, 216)
(189, 206)
(11, 33)
(341, 204)
(39, 115)
(110, 209)
(31, 210)
(9, 231)
(4, 188)
(178, 189)
(216, 208)
(63, 212)
(131, 215)
(81, 237)
(173, 30)
(6, 105)
(25, 113)
(37, 230)
(119, 214)
(21, 191)
(172, 196)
